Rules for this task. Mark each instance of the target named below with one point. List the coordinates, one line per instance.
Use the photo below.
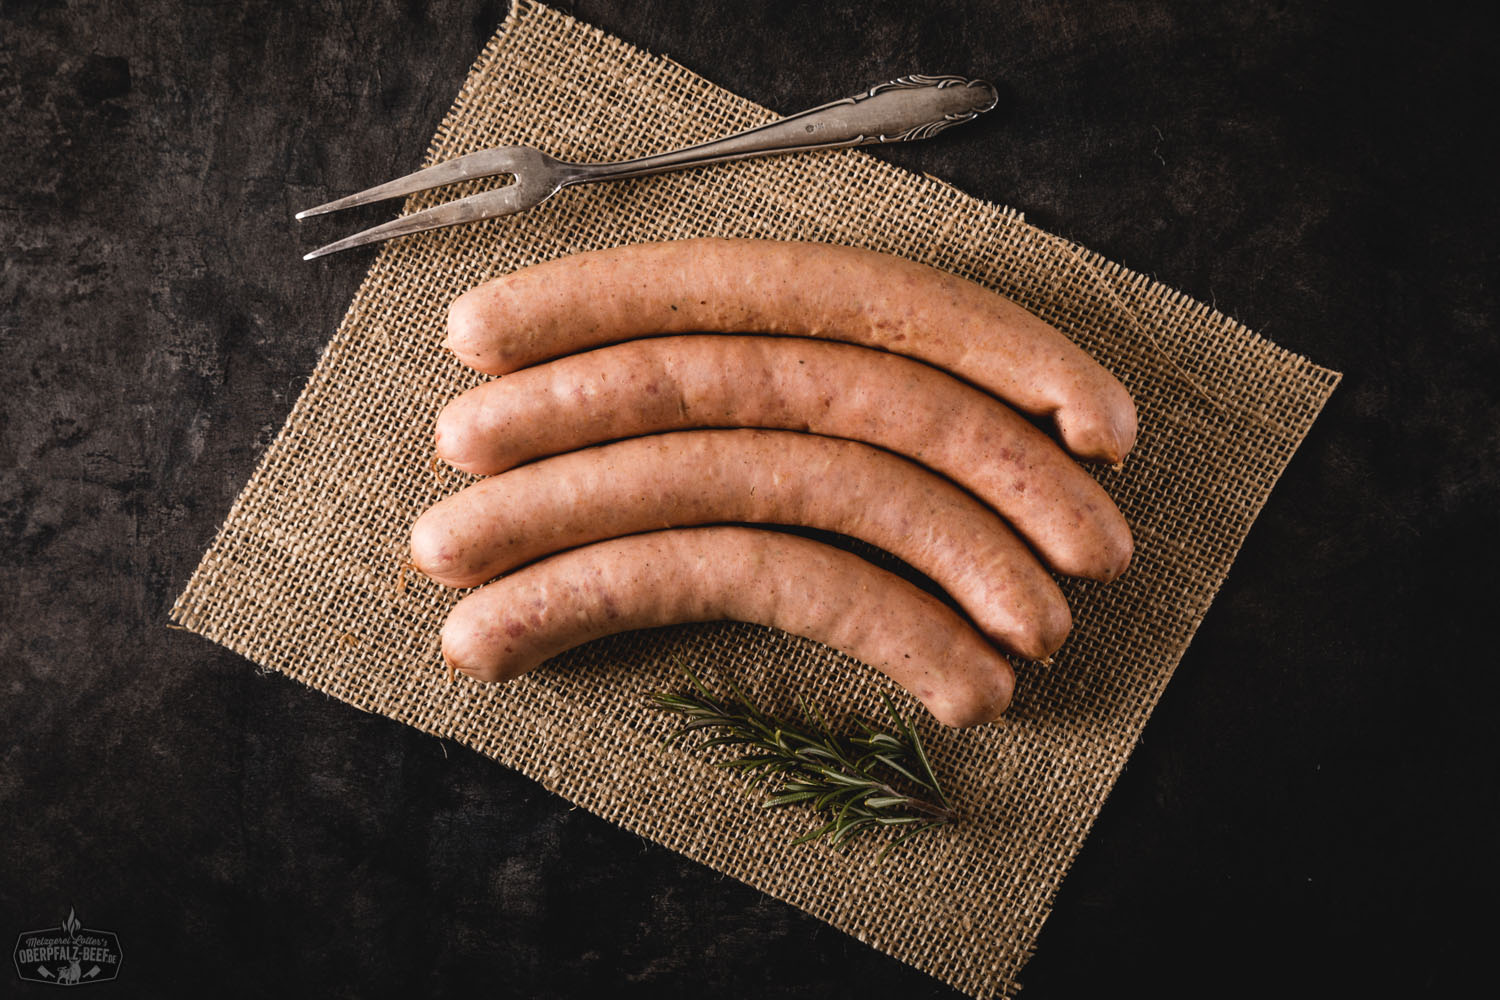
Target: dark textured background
(1309, 808)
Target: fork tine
(484, 205)
(484, 163)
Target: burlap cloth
(306, 575)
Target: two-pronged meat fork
(912, 107)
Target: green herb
(858, 784)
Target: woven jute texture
(306, 576)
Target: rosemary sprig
(858, 783)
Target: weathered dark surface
(1310, 806)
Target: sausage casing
(582, 301)
(769, 477)
(771, 578)
(672, 383)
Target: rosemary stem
(858, 783)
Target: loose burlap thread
(307, 574)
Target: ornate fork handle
(911, 107)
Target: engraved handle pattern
(986, 97)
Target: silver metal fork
(912, 107)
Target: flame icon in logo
(71, 925)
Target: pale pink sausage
(669, 383)
(574, 303)
(766, 477)
(745, 574)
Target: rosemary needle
(860, 783)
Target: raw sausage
(578, 302)
(669, 383)
(801, 586)
(839, 390)
(768, 477)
